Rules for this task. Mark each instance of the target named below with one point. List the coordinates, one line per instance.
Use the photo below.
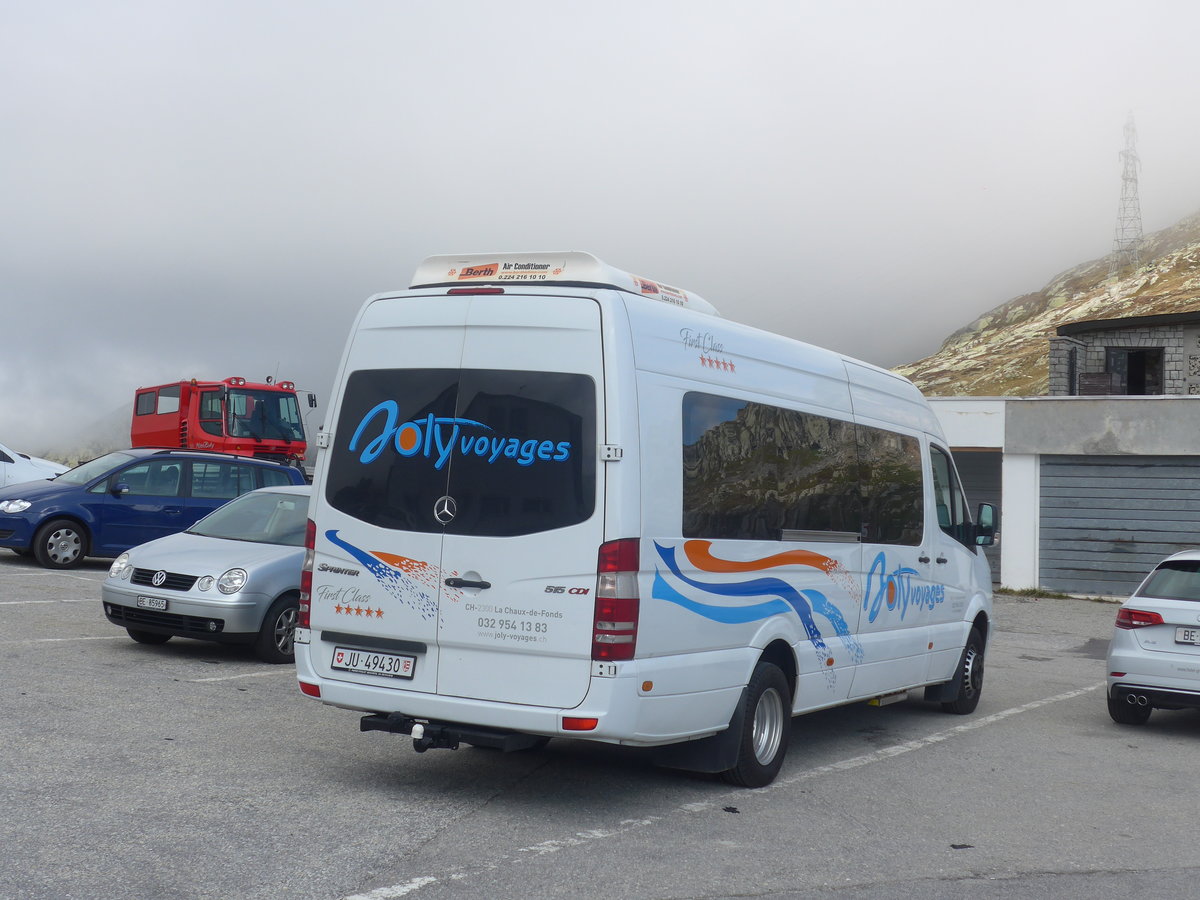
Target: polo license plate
(372, 662)
(1187, 635)
(152, 603)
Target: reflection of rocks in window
(1194, 388)
(1193, 366)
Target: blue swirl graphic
(802, 602)
(407, 590)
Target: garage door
(1106, 520)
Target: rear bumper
(1157, 697)
(625, 714)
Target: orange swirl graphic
(699, 556)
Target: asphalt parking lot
(192, 770)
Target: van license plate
(369, 662)
(157, 603)
(1187, 635)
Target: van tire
(969, 676)
(274, 644)
(148, 637)
(60, 544)
(766, 728)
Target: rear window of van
(513, 451)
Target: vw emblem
(158, 579)
(445, 509)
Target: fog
(208, 189)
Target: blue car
(125, 498)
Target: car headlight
(15, 506)
(232, 581)
(120, 567)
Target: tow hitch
(447, 735)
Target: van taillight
(1137, 618)
(310, 545)
(614, 627)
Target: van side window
(952, 513)
(758, 472)
(893, 488)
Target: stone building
(1139, 356)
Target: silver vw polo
(233, 577)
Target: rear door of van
(463, 476)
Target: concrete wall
(1109, 426)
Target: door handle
(463, 583)
(941, 560)
(924, 557)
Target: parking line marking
(289, 672)
(909, 746)
(581, 838)
(61, 600)
(93, 579)
(396, 890)
(115, 637)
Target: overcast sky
(213, 188)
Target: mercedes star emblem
(445, 509)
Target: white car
(1154, 655)
(17, 468)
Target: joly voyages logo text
(437, 437)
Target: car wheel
(970, 668)
(278, 629)
(60, 544)
(1125, 713)
(148, 637)
(766, 728)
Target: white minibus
(554, 499)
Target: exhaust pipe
(1136, 699)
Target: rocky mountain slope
(1006, 351)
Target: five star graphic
(358, 611)
(711, 362)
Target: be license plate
(152, 603)
(369, 662)
(1187, 635)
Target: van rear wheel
(766, 728)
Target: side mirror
(119, 489)
(985, 527)
(312, 401)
